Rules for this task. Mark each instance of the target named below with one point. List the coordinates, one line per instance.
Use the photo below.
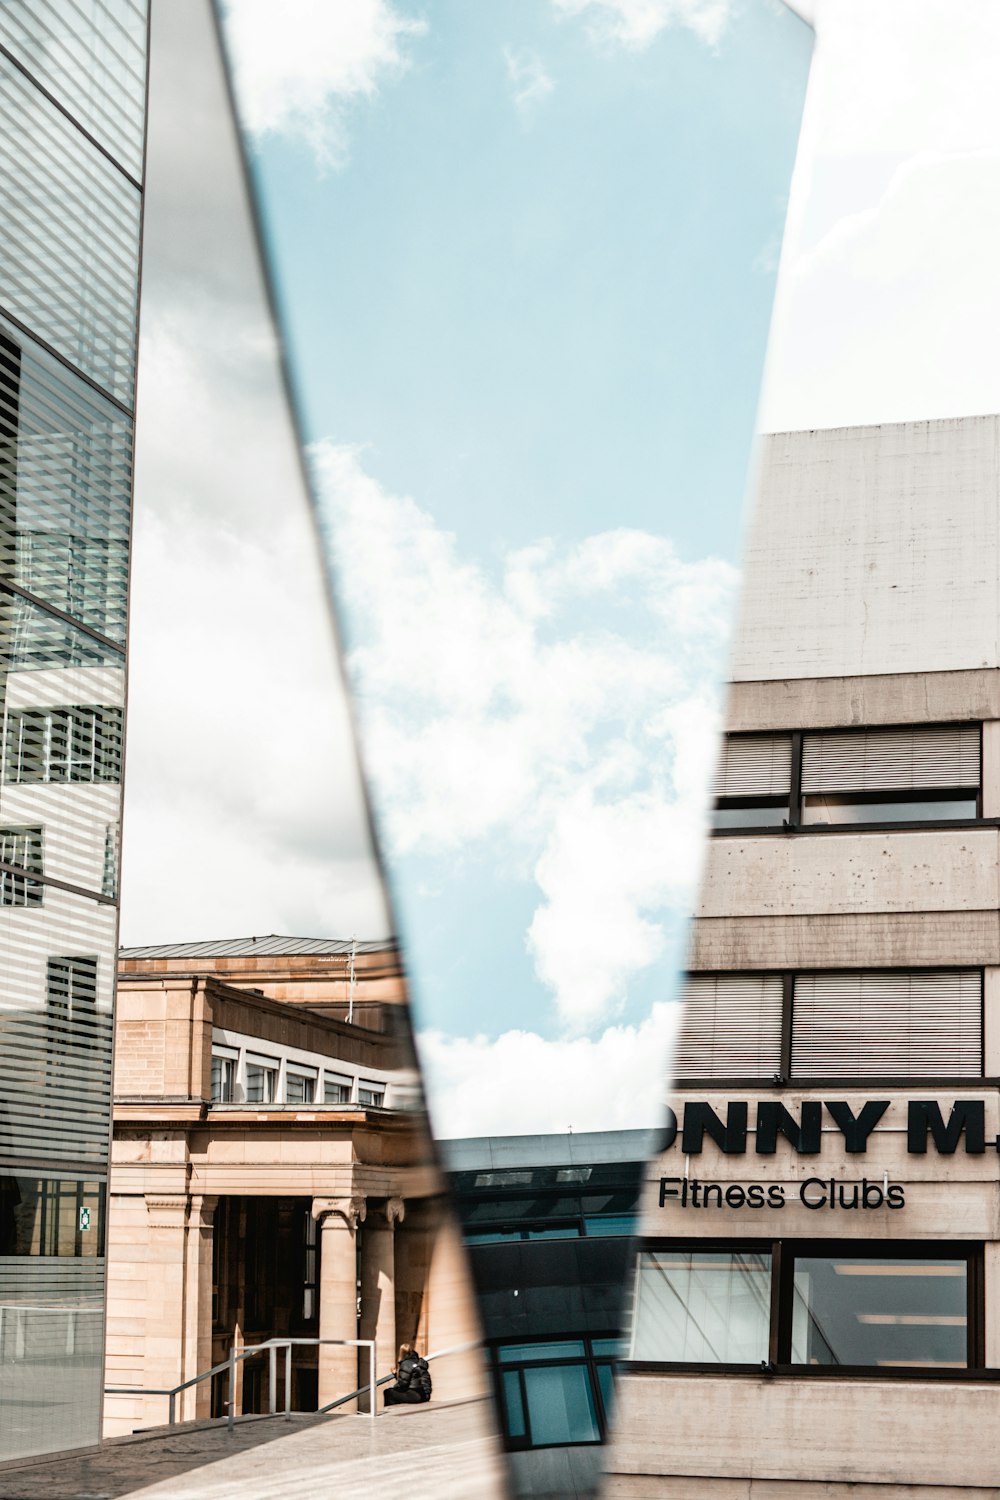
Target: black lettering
(695, 1192)
(774, 1119)
(871, 1194)
(701, 1120)
(775, 1196)
(895, 1196)
(755, 1195)
(684, 1194)
(669, 1192)
(735, 1196)
(811, 1182)
(968, 1118)
(710, 1188)
(842, 1195)
(856, 1128)
(669, 1130)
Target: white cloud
(887, 294)
(530, 84)
(298, 65)
(560, 715)
(521, 1082)
(634, 24)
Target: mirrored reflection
(508, 312)
(267, 1095)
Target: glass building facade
(72, 114)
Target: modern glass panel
(51, 1216)
(92, 56)
(262, 1083)
(65, 486)
(514, 1405)
(880, 1312)
(69, 253)
(223, 1080)
(934, 808)
(749, 815)
(561, 1406)
(702, 1307)
(563, 1349)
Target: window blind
(755, 765)
(731, 1028)
(891, 759)
(880, 1024)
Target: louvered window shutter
(882, 1025)
(731, 1027)
(876, 760)
(755, 765)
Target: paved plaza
(442, 1452)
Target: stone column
(197, 1402)
(338, 1294)
(378, 1285)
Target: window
(71, 988)
(908, 1306)
(336, 1089)
(557, 1393)
(300, 1086)
(372, 1094)
(876, 1023)
(702, 1306)
(262, 1080)
(21, 847)
(850, 777)
(78, 744)
(223, 1077)
(753, 782)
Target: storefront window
(703, 1307)
(880, 1312)
(556, 1393)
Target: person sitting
(413, 1379)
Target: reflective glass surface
(757, 815)
(91, 55)
(65, 482)
(933, 808)
(561, 1405)
(69, 252)
(702, 1307)
(880, 1312)
(61, 1216)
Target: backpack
(421, 1380)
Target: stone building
(818, 1295)
(271, 1177)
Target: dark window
(372, 1094)
(21, 847)
(300, 1088)
(903, 1305)
(223, 1079)
(71, 988)
(336, 1090)
(556, 1393)
(51, 1216)
(78, 744)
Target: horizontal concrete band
(823, 702)
(686, 1487)
(909, 940)
(806, 1432)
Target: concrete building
(72, 107)
(817, 1306)
(271, 1177)
(549, 1223)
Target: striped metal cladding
(874, 760)
(755, 765)
(921, 1024)
(271, 946)
(732, 1027)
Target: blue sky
(525, 256)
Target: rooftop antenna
(352, 977)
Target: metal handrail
(438, 1354)
(247, 1352)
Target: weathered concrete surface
(443, 1452)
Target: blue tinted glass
(606, 1381)
(749, 817)
(932, 809)
(514, 1404)
(611, 1224)
(564, 1233)
(561, 1405)
(571, 1349)
(613, 1347)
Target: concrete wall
(882, 545)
